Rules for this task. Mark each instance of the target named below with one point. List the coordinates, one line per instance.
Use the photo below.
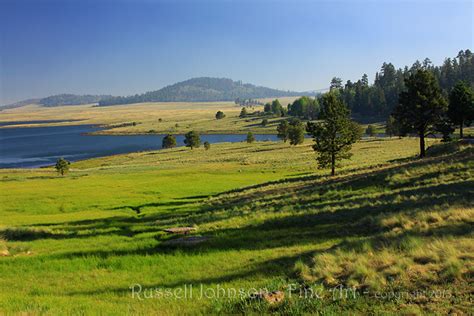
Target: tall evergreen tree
(335, 134)
(421, 106)
(336, 83)
(296, 132)
(461, 106)
(192, 139)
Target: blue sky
(128, 47)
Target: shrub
(62, 166)
(220, 115)
(250, 138)
(169, 141)
(370, 131)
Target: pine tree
(421, 106)
(296, 132)
(461, 106)
(335, 134)
(192, 139)
(282, 130)
(62, 166)
(250, 138)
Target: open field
(176, 118)
(387, 221)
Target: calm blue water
(42, 146)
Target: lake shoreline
(36, 147)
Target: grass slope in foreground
(387, 223)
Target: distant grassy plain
(176, 118)
(386, 221)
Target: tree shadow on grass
(316, 215)
(302, 228)
(137, 209)
(268, 268)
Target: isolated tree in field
(421, 106)
(243, 112)
(207, 145)
(264, 122)
(461, 106)
(296, 132)
(335, 134)
(220, 115)
(391, 128)
(62, 166)
(250, 138)
(282, 130)
(192, 139)
(169, 141)
(370, 130)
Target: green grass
(386, 221)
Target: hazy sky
(128, 47)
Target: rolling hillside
(202, 89)
(387, 223)
(58, 100)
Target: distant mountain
(19, 104)
(72, 99)
(58, 100)
(202, 89)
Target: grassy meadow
(162, 117)
(386, 223)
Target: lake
(41, 146)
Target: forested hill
(202, 89)
(72, 99)
(381, 97)
(58, 100)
